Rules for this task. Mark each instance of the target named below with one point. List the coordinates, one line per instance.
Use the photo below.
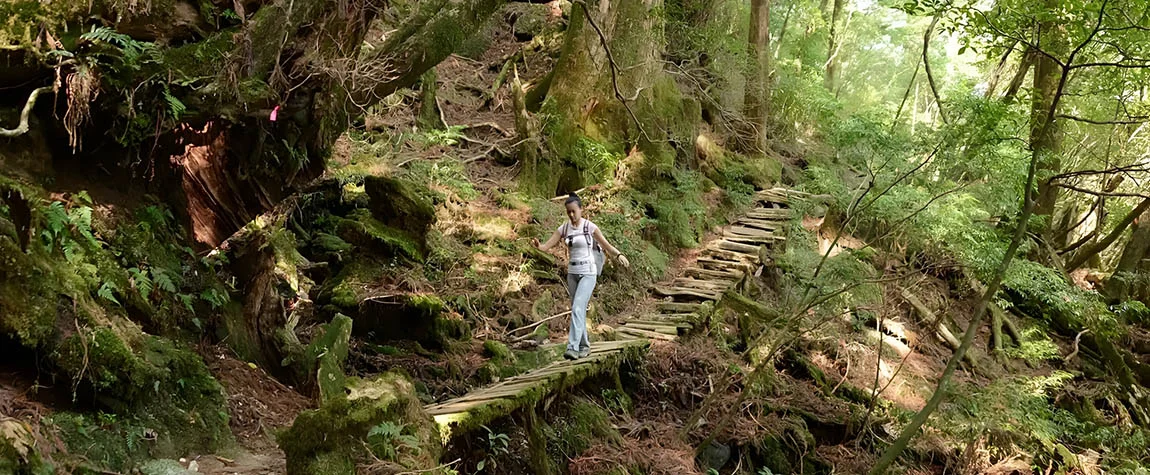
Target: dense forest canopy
(295, 236)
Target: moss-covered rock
(328, 354)
(362, 229)
(382, 415)
(496, 350)
(529, 20)
(401, 204)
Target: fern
(162, 280)
(214, 297)
(56, 219)
(107, 292)
(141, 282)
(175, 107)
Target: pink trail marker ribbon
(275, 113)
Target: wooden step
(768, 240)
(646, 333)
(679, 307)
(762, 224)
(672, 317)
(665, 323)
(780, 195)
(685, 292)
(770, 214)
(732, 255)
(702, 273)
(719, 285)
(720, 265)
(655, 327)
(746, 231)
(733, 246)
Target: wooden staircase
(686, 304)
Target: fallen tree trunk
(944, 332)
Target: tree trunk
(609, 90)
(1084, 255)
(758, 81)
(992, 82)
(1024, 65)
(1045, 139)
(832, 67)
(429, 117)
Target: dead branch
(22, 128)
(540, 322)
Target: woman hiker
(584, 263)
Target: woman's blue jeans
(580, 287)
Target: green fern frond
(107, 292)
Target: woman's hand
(623, 260)
(535, 242)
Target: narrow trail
(684, 305)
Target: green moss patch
(381, 415)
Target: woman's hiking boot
(571, 355)
(585, 353)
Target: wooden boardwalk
(686, 302)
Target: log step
(733, 246)
(747, 231)
(679, 307)
(769, 240)
(701, 273)
(720, 285)
(761, 224)
(769, 214)
(646, 333)
(732, 255)
(715, 264)
(655, 327)
(685, 292)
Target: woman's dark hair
(573, 198)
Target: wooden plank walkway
(686, 303)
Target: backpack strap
(587, 233)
